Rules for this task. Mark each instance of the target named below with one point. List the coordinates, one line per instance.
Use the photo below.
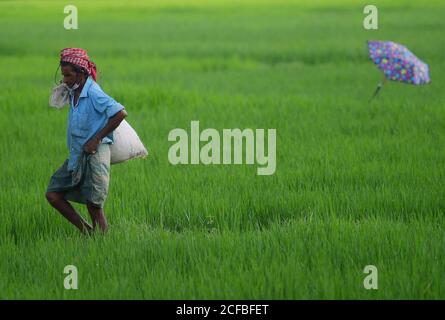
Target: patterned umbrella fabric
(398, 63)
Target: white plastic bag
(127, 144)
(59, 96)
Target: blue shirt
(85, 119)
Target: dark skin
(57, 199)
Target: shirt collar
(86, 86)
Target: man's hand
(113, 123)
(91, 145)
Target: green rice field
(356, 183)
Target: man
(93, 115)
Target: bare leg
(98, 217)
(56, 199)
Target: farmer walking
(93, 115)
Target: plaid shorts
(88, 182)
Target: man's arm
(113, 123)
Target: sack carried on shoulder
(127, 144)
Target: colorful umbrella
(397, 63)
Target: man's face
(70, 77)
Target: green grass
(355, 185)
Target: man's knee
(93, 207)
(53, 197)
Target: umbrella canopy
(398, 63)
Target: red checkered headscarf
(79, 57)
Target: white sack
(127, 144)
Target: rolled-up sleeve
(103, 103)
